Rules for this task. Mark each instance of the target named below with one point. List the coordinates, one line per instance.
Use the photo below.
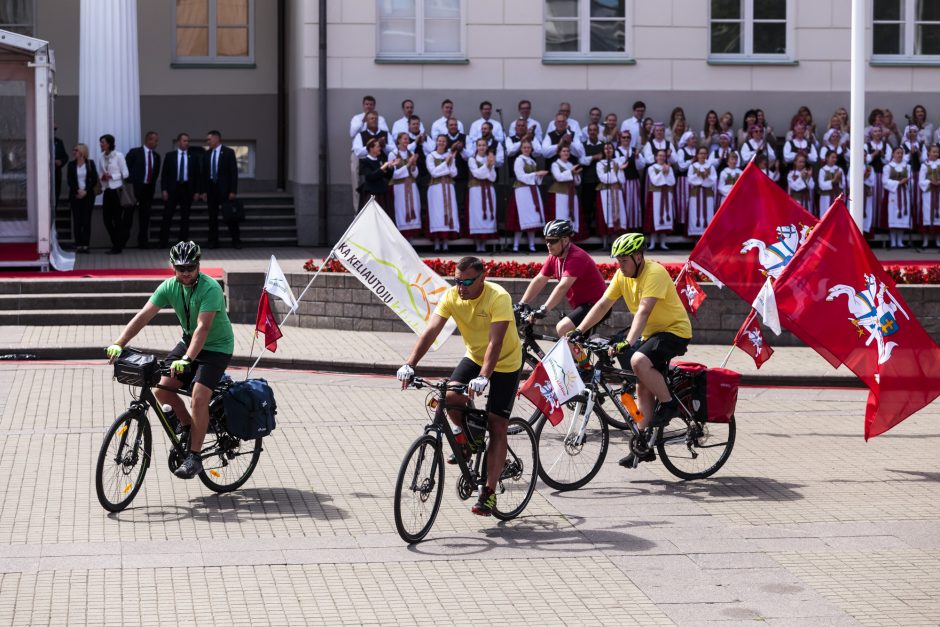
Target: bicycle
(227, 461)
(420, 483)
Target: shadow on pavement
(730, 489)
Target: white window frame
(584, 37)
(747, 54)
(907, 55)
(419, 54)
(213, 58)
(31, 25)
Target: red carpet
(19, 252)
(105, 273)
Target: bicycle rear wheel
(517, 481)
(227, 462)
(418, 489)
(123, 461)
(695, 450)
(569, 455)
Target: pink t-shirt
(590, 286)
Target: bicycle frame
(440, 425)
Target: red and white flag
(838, 299)
(538, 389)
(751, 340)
(754, 234)
(266, 323)
(554, 381)
(690, 293)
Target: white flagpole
(857, 112)
(747, 321)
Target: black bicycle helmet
(185, 254)
(558, 228)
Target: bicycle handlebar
(444, 385)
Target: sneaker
(190, 467)
(631, 460)
(485, 504)
(664, 413)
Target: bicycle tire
(520, 473)
(564, 465)
(117, 491)
(420, 490)
(227, 462)
(673, 446)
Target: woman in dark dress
(375, 171)
(82, 177)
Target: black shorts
(578, 314)
(662, 347)
(208, 367)
(502, 388)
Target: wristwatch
(187, 358)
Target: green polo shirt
(189, 302)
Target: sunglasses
(191, 268)
(552, 240)
(466, 282)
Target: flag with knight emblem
(838, 299)
(690, 293)
(751, 340)
(266, 323)
(754, 234)
(538, 389)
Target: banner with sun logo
(374, 251)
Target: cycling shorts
(660, 348)
(207, 368)
(502, 388)
(578, 314)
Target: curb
(96, 353)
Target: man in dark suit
(143, 164)
(219, 186)
(180, 182)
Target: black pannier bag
(135, 368)
(249, 409)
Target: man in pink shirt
(576, 272)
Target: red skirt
(602, 228)
(407, 232)
(512, 214)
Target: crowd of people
(610, 176)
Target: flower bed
(904, 274)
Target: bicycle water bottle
(459, 435)
(476, 429)
(170, 416)
(630, 403)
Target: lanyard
(187, 305)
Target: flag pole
(747, 321)
(857, 112)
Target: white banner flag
(766, 306)
(275, 284)
(375, 252)
(562, 371)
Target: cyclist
(484, 317)
(207, 344)
(578, 278)
(660, 329)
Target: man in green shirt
(203, 352)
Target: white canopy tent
(27, 75)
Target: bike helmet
(558, 228)
(185, 253)
(628, 244)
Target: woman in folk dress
(563, 193)
(877, 155)
(800, 184)
(406, 201)
(896, 180)
(611, 205)
(660, 195)
(481, 195)
(831, 184)
(443, 216)
(702, 180)
(525, 212)
(632, 165)
(929, 184)
(686, 149)
(728, 177)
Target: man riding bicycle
(484, 317)
(578, 278)
(207, 344)
(660, 329)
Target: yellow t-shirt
(474, 317)
(668, 315)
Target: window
(214, 31)
(17, 16)
(420, 29)
(752, 30)
(906, 30)
(585, 29)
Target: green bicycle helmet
(185, 254)
(627, 244)
(558, 228)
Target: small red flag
(751, 340)
(690, 292)
(538, 389)
(267, 324)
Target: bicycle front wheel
(418, 489)
(227, 462)
(572, 452)
(695, 450)
(517, 481)
(123, 461)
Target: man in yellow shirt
(660, 329)
(484, 317)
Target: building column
(108, 75)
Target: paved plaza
(806, 525)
